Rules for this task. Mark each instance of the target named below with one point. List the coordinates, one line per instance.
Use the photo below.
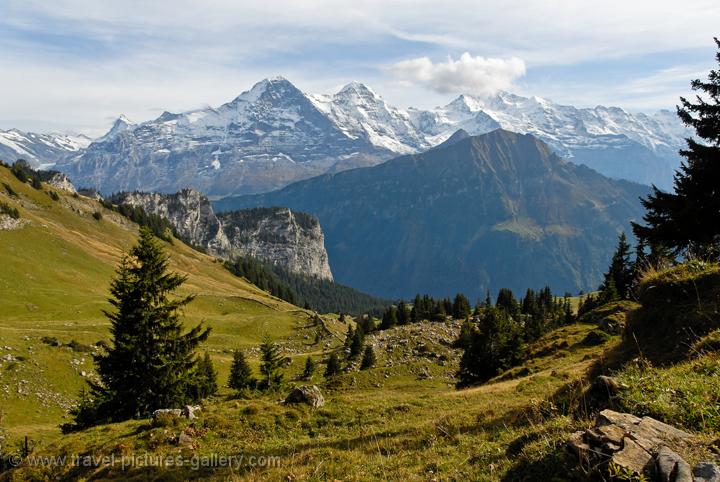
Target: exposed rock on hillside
(279, 236)
(60, 181)
(639, 445)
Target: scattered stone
(186, 440)
(671, 467)
(189, 411)
(640, 445)
(633, 457)
(158, 415)
(706, 472)
(309, 395)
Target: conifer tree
(309, 368)
(620, 273)
(368, 359)
(506, 301)
(349, 336)
(333, 366)
(389, 318)
(151, 363)
(357, 343)
(272, 363)
(687, 221)
(460, 307)
(207, 377)
(403, 313)
(495, 345)
(241, 376)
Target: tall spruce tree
(687, 221)
(357, 343)
(241, 376)
(151, 362)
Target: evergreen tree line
(312, 293)
(325, 296)
(262, 277)
(495, 338)
(158, 225)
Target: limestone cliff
(277, 235)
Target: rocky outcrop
(638, 445)
(60, 181)
(309, 395)
(278, 236)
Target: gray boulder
(309, 395)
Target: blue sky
(74, 65)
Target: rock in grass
(706, 472)
(309, 395)
(671, 467)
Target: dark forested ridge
(484, 212)
(318, 294)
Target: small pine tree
(241, 376)
(620, 273)
(206, 377)
(368, 359)
(389, 318)
(357, 343)
(272, 364)
(333, 366)
(309, 369)
(460, 307)
(349, 336)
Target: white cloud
(71, 63)
(471, 75)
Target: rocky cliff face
(280, 236)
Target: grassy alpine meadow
(54, 284)
(388, 422)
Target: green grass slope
(402, 420)
(54, 278)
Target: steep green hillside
(54, 278)
(491, 211)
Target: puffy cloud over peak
(481, 76)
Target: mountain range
(40, 150)
(474, 213)
(275, 134)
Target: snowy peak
(362, 114)
(40, 150)
(269, 89)
(120, 125)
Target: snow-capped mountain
(360, 113)
(274, 134)
(39, 149)
(617, 143)
(264, 139)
